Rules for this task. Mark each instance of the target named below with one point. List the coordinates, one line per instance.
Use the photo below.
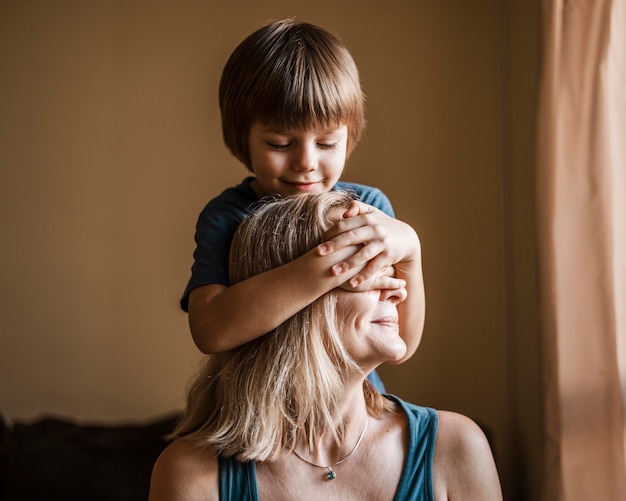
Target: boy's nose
(306, 159)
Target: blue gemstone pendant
(331, 475)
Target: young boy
(292, 112)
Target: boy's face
(290, 162)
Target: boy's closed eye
(277, 146)
(285, 146)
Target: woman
(291, 415)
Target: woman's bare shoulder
(185, 472)
(464, 468)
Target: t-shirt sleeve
(215, 229)
(379, 200)
(369, 195)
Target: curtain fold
(581, 193)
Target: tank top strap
(416, 482)
(237, 480)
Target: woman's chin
(398, 353)
(393, 354)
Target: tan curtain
(581, 182)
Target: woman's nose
(396, 296)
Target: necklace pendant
(331, 475)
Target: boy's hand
(385, 242)
(385, 279)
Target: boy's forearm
(253, 307)
(412, 311)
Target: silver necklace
(331, 475)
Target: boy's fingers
(371, 271)
(362, 235)
(324, 249)
(352, 210)
(380, 282)
(357, 208)
(372, 253)
(389, 271)
(369, 256)
(388, 283)
(339, 268)
(362, 219)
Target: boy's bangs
(307, 107)
(309, 96)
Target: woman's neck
(352, 421)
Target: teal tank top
(238, 480)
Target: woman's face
(369, 325)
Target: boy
(292, 112)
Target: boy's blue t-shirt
(221, 217)
(237, 480)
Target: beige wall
(110, 146)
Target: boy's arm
(222, 318)
(411, 312)
(383, 242)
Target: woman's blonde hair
(289, 75)
(257, 400)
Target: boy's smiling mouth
(303, 185)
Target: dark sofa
(59, 459)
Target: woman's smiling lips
(387, 321)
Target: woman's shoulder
(185, 471)
(463, 459)
(459, 434)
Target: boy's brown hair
(289, 75)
